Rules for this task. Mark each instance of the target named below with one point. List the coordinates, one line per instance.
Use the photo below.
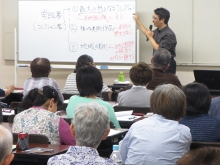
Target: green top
(76, 100)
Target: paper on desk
(18, 91)
(113, 132)
(123, 113)
(128, 118)
(7, 112)
(66, 101)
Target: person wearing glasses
(163, 36)
(40, 118)
(70, 85)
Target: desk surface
(39, 158)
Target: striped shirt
(203, 127)
(32, 83)
(71, 88)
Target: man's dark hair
(89, 81)
(201, 156)
(83, 60)
(163, 14)
(36, 97)
(141, 74)
(40, 67)
(161, 58)
(198, 99)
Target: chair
(67, 96)
(15, 105)
(195, 145)
(62, 107)
(105, 96)
(33, 138)
(11, 118)
(141, 110)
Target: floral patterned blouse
(80, 155)
(37, 120)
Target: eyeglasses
(154, 18)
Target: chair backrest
(195, 145)
(62, 107)
(11, 118)
(67, 96)
(143, 110)
(105, 96)
(14, 104)
(68, 120)
(33, 138)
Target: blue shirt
(79, 155)
(214, 109)
(155, 141)
(203, 127)
(2, 93)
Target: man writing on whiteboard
(163, 36)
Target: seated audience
(40, 69)
(7, 91)
(160, 62)
(89, 83)
(214, 109)
(90, 126)
(158, 139)
(201, 156)
(202, 126)
(70, 86)
(138, 96)
(6, 142)
(40, 118)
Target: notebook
(210, 78)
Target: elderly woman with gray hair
(5, 146)
(159, 139)
(90, 126)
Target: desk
(37, 159)
(105, 147)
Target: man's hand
(9, 89)
(149, 34)
(136, 17)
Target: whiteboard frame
(136, 46)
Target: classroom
(187, 18)
(170, 111)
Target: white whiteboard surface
(63, 30)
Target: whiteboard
(63, 30)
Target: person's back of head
(198, 98)
(83, 60)
(90, 124)
(40, 67)
(161, 59)
(163, 14)
(141, 74)
(38, 97)
(169, 101)
(6, 142)
(89, 81)
(201, 156)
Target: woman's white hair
(6, 142)
(91, 121)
